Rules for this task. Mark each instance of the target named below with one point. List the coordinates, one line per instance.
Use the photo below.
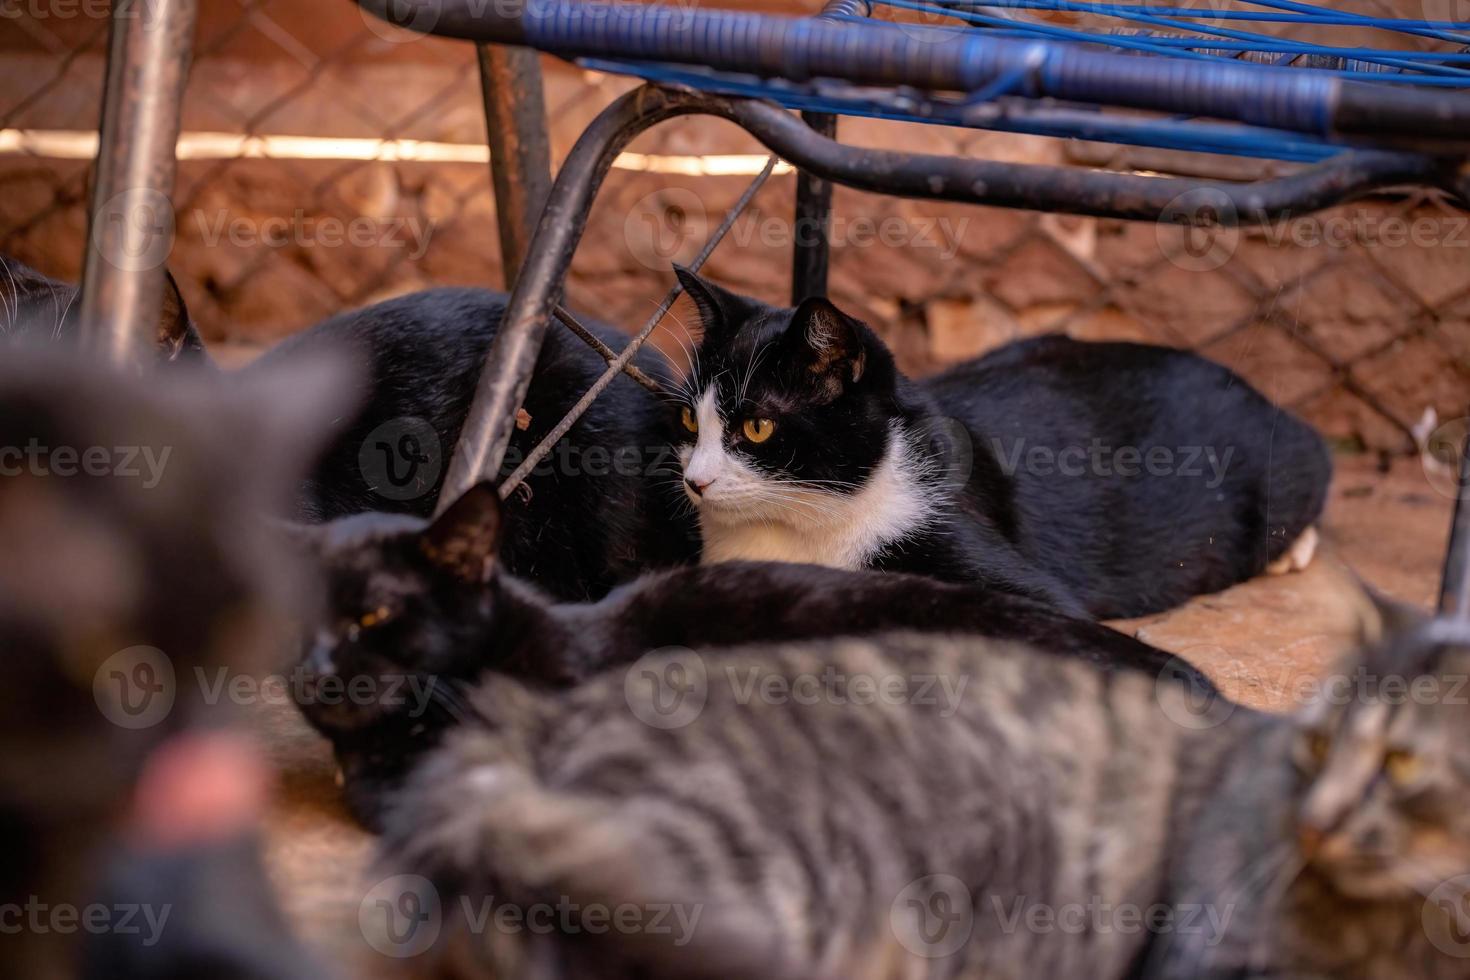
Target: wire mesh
(328, 162)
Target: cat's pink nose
(698, 486)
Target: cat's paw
(1298, 556)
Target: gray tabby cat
(986, 813)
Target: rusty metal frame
(131, 222)
(512, 354)
(520, 153)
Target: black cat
(415, 610)
(36, 309)
(1113, 479)
(602, 507)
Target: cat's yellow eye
(1402, 767)
(690, 423)
(758, 430)
(375, 618)
(1318, 746)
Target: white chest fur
(841, 530)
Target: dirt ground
(1259, 640)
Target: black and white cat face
(1384, 761)
(790, 426)
(405, 603)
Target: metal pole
(520, 158)
(1454, 592)
(811, 252)
(132, 221)
(512, 354)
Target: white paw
(1298, 556)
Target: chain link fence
(329, 160)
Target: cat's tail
(539, 883)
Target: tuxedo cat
(1113, 479)
(133, 557)
(1044, 819)
(415, 611)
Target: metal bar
(1076, 190)
(512, 354)
(543, 448)
(1454, 592)
(520, 157)
(1071, 189)
(608, 354)
(131, 220)
(936, 59)
(811, 255)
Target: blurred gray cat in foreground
(1021, 816)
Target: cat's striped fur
(798, 828)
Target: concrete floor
(1259, 640)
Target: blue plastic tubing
(881, 53)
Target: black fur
(36, 309)
(602, 507)
(450, 615)
(1058, 526)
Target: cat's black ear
(462, 541)
(177, 338)
(719, 309)
(829, 345)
